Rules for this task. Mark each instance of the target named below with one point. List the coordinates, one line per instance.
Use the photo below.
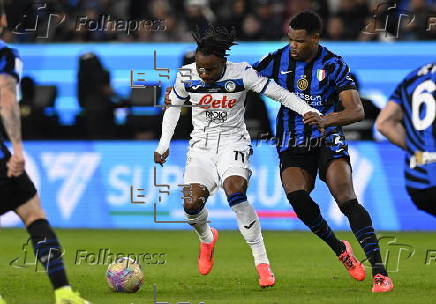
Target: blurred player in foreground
(17, 192)
(220, 145)
(322, 79)
(408, 121)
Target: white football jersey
(223, 101)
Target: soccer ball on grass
(124, 275)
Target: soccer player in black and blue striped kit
(17, 191)
(323, 79)
(408, 121)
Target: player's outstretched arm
(352, 112)
(10, 114)
(268, 87)
(389, 123)
(289, 100)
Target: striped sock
(48, 251)
(325, 233)
(361, 225)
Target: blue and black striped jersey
(416, 95)
(318, 82)
(10, 63)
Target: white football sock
(199, 222)
(249, 226)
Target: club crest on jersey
(230, 86)
(320, 74)
(302, 83)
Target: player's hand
(16, 165)
(167, 97)
(314, 119)
(161, 158)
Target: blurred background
(90, 136)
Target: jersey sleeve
(342, 78)
(396, 95)
(253, 80)
(171, 116)
(178, 94)
(265, 65)
(10, 63)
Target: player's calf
(48, 251)
(249, 226)
(308, 211)
(361, 225)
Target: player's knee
(234, 184)
(343, 192)
(236, 198)
(194, 204)
(347, 206)
(303, 204)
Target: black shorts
(315, 154)
(14, 191)
(424, 199)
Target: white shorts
(210, 164)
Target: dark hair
(307, 20)
(214, 40)
(2, 8)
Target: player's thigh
(200, 169)
(339, 180)
(233, 166)
(297, 178)
(298, 169)
(31, 211)
(16, 193)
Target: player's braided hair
(214, 40)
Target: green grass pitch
(305, 268)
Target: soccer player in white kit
(220, 145)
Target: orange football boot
(266, 276)
(382, 283)
(205, 257)
(353, 266)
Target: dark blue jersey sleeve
(10, 63)
(342, 78)
(265, 65)
(396, 95)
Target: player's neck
(313, 55)
(222, 72)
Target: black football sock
(308, 211)
(48, 251)
(361, 225)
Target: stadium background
(85, 177)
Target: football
(124, 275)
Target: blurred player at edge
(17, 191)
(323, 79)
(408, 121)
(219, 148)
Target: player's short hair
(214, 40)
(307, 20)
